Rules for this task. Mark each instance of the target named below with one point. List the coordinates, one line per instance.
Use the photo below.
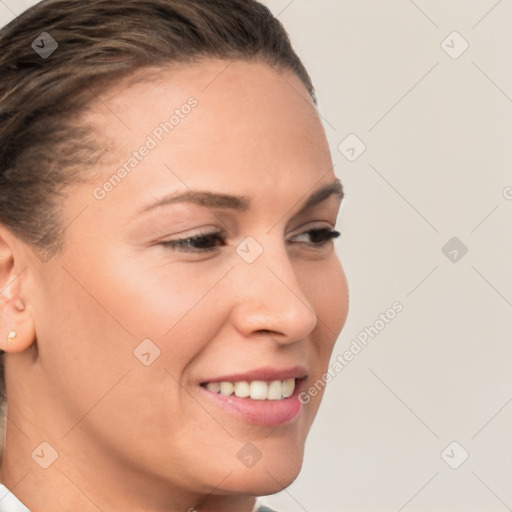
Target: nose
(269, 299)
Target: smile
(265, 397)
(255, 390)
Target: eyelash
(330, 235)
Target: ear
(17, 331)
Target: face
(198, 268)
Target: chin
(263, 484)
(267, 476)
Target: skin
(135, 437)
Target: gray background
(436, 124)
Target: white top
(9, 503)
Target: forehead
(212, 123)
(232, 95)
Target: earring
(12, 335)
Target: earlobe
(16, 327)
(17, 331)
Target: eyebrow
(242, 203)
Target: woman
(170, 289)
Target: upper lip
(264, 374)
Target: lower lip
(265, 413)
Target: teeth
(259, 390)
(242, 389)
(256, 390)
(214, 387)
(275, 390)
(226, 388)
(288, 387)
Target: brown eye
(320, 237)
(198, 243)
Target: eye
(319, 236)
(202, 242)
(207, 242)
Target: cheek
(92, 325)
(336, 297)
(327, 290)
(92, 317)
(168, 303)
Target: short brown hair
(42, 146)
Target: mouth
(254, 390)
(263, 397)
